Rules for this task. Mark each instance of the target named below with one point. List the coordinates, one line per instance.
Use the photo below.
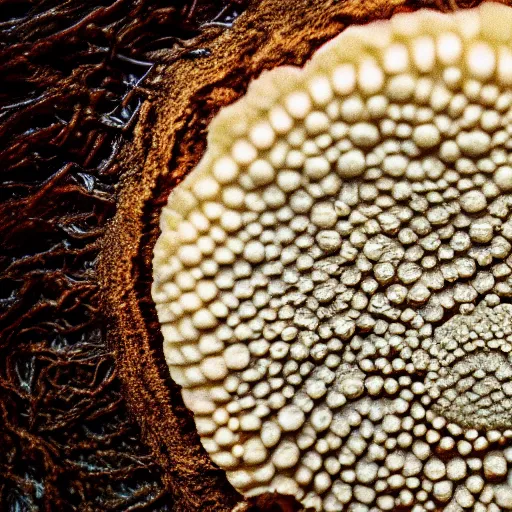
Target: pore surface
(333, 279)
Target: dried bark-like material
(170, 139)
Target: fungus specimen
(332, 279)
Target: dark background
(72, 81)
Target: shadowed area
(70, 93)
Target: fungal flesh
(333, 279)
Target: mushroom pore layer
(333, 279)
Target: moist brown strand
(70, 94)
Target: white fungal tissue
(334, 279)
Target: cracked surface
(470, 380)
(332, 279)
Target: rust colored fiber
(72, 87)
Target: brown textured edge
(169, 141)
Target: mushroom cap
(323, 275)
